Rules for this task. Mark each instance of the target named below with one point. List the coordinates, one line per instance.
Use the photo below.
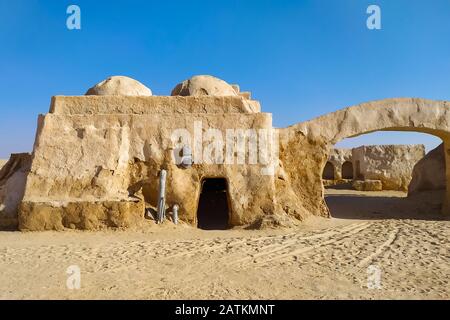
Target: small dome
(119, 86)
(204, 86)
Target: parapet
(89, 105)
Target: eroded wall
(338, 156)
(13, 177)
(391, 164)
(93, 169)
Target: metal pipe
(162, 196)
(175, 213)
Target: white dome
(204, 85)
(119, 86)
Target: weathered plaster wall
(13, 177)
(391, 164)
(429, 173)
(84, 160)
(338, 157)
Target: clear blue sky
(301, 59)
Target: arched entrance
(328, 171)
(347, 170)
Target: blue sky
(301, 59)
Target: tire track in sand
(383, 247)
(343, 233)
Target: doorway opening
(328, 171)
(213, 210)
(347, 170)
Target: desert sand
(321, 259)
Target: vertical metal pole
(175, 214)
(162, 196)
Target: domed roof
(203, 85)
(119, 86)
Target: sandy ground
(2, 162)
(323, 259)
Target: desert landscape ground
(320, 259)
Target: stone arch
(328, 171)
(347, 170)
(316, 136)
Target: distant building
(392, 165)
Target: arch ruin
(320, 134)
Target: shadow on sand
(424, 206)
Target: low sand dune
(324, 258)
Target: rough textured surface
(339, 155)
(300, 184)
(91, 105)
(13, 177)
(2, 162)
(204, 85)
(429, 173)
(337, 158)
(391, 164)
(119, 86)
(368, 185)
(87, 215)
(340, 183)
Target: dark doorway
(213, 211)
(328, 172)
(347, 170)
